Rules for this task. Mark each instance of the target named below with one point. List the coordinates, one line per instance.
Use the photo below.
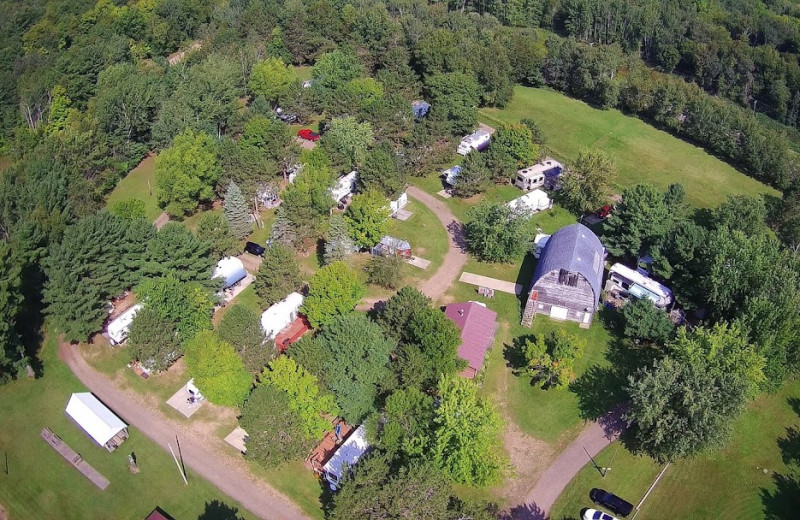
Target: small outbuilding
(345, 187)
(568, 278)
(119, 328)
(543, 173)
(390, 246)
(624, 282)
(231, 270)
(281, 315)
(478, 329)
(531, 203)
(96, 420)
(477, 140)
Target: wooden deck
(324, 451)
(71, 456)
(292, 333)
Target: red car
(603, 212)
(307, 134)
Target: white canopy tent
(532, 202)
(280, 315)
(99, 423)
(119, 327)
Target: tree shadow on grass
(217, 510)
(524, 512)
(784, 501)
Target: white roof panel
(277, 317)
(100, 423)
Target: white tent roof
(231, 269)
(94, 418)
(349, 452)
(277, 317)
(118, 327)
(536, 200)
(345, 186)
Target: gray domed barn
(568, 278)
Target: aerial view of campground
(399, 259)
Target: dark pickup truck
(611, 502)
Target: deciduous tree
(217, 370)
(241, 327)
(188, 305)
(382, 171)
(398, 310)
(454, 100)
(272, 80)
(347, 141)
(643, 321)
(474, 177)
(495, 233)
(385, 271)
(639, 221)
(551, 359)
(153, 340)
(586, 185)
(333, 290)
(186, 172)
(130, 209)
(367, 218)
(512, 148)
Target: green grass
(641, 152)
(139, 184)
(41, 484)
(727, 483)
(303, 72)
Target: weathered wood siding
(551, 293)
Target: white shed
(346, 185)
(532, 202)
(119, 327)
(231, 269)
(97, 421)
(348, 453)
(280, 315)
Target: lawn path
(206, 456)
(594, 437)
(456, 257)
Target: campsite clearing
(641, 152)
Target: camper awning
(100, 423)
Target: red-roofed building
(478, 328)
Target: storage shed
(281, 315)
(96, 420)
(231, 270)
(390, 246)
(568, 278)
(119, 327)
(478, 328)
(531, 203)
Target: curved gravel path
(437, 285)
(210, 458)
(594, 437)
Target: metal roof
(100, 423)
(576, 249)
(478, 326)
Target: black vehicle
(611, 502)
(254, 249)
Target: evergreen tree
(474, 177)
(187, 305)
(12, 353)
(278, 275)
(241, 327)
(176, 250)
(338, 244)
(283, 230)
(398, 310)
(236, 212)
(214, 228)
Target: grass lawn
(728, 483)
(303, 72)
(640, 151)
(40, 484)
(139, 184)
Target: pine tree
(283, 230)
(278, 275)
(338, 244)
(12, 353)
(236, 212)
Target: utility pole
(180, 470)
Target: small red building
(478, 328)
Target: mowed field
(641, 152)
(140, 183)
(36, 483)
(737, 481)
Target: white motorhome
(625, 282)
(477, 140)
(349, 453)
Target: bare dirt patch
(529, 458)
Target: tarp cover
(94, 418)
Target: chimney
(460, 312)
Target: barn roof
(478, 327)
(576, 249)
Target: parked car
(286, 117)
(594, 514)
(603, 212)
(611, 502)
(307, 134)
(254, 249)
